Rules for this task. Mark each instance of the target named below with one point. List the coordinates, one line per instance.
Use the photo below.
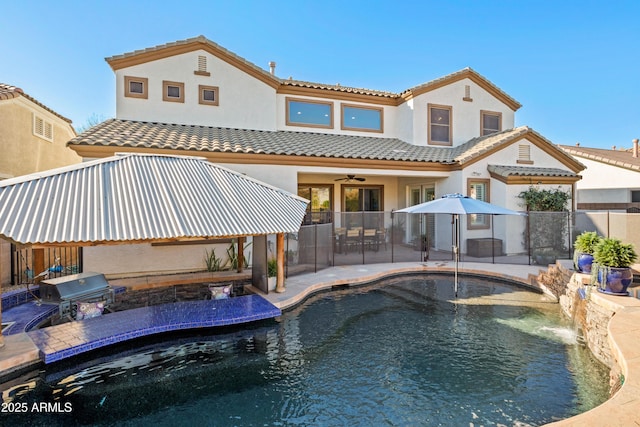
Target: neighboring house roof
(302, 87)
(121, 134)
(142, 198)
(526, 174)
(10, 92)
(620, 158)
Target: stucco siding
(22, 151)
(603, 176)
(466, 115)
(141, 259)
(244, 101)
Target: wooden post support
(1, 336)
(280, 261)
(240, 253)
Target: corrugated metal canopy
(139, 197)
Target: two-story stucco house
(346, 149)
(33, 138)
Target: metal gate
(28, 264)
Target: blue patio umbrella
(456, 205)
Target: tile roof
(340, 88)
(125, 133)
(620, 158)
(10, 92)
(166, 136)
(478, 146)
(142, 197)
(507, 171)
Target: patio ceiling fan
(350, 178)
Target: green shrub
(272, 267)
(611, 252)
(586, 242)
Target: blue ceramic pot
(583, 262)
(617, 281)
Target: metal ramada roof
(141, 197)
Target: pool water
(399, 352)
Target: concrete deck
(623, 409)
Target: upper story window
(208, 95)
(309, 113)
(172, 91)
(368, 119)
(490, 122)
(136, 87)
(440, 127)
(42, 128)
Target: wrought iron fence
(28, 265)
(385, 237)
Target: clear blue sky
(573, 65)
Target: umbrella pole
(456, 253)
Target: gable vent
(202, 66)
(524, 153)
(467, 94)
(42, 128)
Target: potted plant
(272, 272)
(583, 249)
(611, 270)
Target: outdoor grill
(67, 290)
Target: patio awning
(132, 198)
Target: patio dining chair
(353, 239)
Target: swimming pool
(398, 352)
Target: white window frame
(478, 221)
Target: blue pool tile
(81, 336)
